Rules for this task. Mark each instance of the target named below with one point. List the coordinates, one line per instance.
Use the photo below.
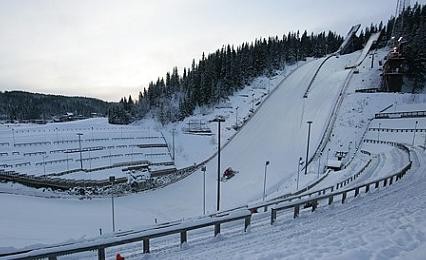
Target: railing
(182, 228)
(391, 115)
(313, 203)
(397, 130)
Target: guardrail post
(146, 245)
(183, 237)
(356, 192)
(330, 200)
(273, 215)
(343, 197)
(101, 254)
(216, 229)
(390, 180)
(314, 205)
(247, 222)
(367, 188)
(53, 257)
(296, 211)
(385, 182)
(377, 185)
(332, 188)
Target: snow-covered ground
(276, 133)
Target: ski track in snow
(383, 224)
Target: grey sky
(108, 49)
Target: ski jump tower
(347, 43)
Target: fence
(100, 244)
(391, 115)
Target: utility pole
(236, 117)
(112, 180)
(378, 133)
(218, 119)
(203, 169)
(319, 164)
(81, 155)
(414, 135)
(298, 172)
(173, 134)
(264, 180)
(307, 147)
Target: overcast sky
(108, 49)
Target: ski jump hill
(276, 133)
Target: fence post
(390, 180)
(377, 185)
(367, 188)
(343, 197)
(330, 200)
(273, 215)
(101, 254)
(146, 245)
(296, 211)
(53, 257)
(216, 229)
(385, 182)
(247, 222)
(183, 237)
(314, 205)
(356, 192)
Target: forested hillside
(18, 105)
(217, 75)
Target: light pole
(236, 117)
(173, 134)
(319, 164)
(264, 180)
(414, 135)
(378, 133)
(112, 180)
(44, 164)
(13, 134)
(81, 155)
(298, 172)
(252, 102)
(326, 161)
(307, 147)
(218, 119)
(203, 169)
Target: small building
(335, 165)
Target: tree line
(217, 75)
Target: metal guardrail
(313, 203)
(397, 130)
(391, 115)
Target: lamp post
(203, 169)
(326, 160)
(13, 134)
(218, 119)
(378, 133)
(264, 180)
(307, 147)
(414, 135)
(44, 164)
(252, 102)
(319, 164)
(298, 171)
(81, 155)
(112, 180)
(173, 141)
(236, 117)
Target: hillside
(19, 105)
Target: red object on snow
(118, 257)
